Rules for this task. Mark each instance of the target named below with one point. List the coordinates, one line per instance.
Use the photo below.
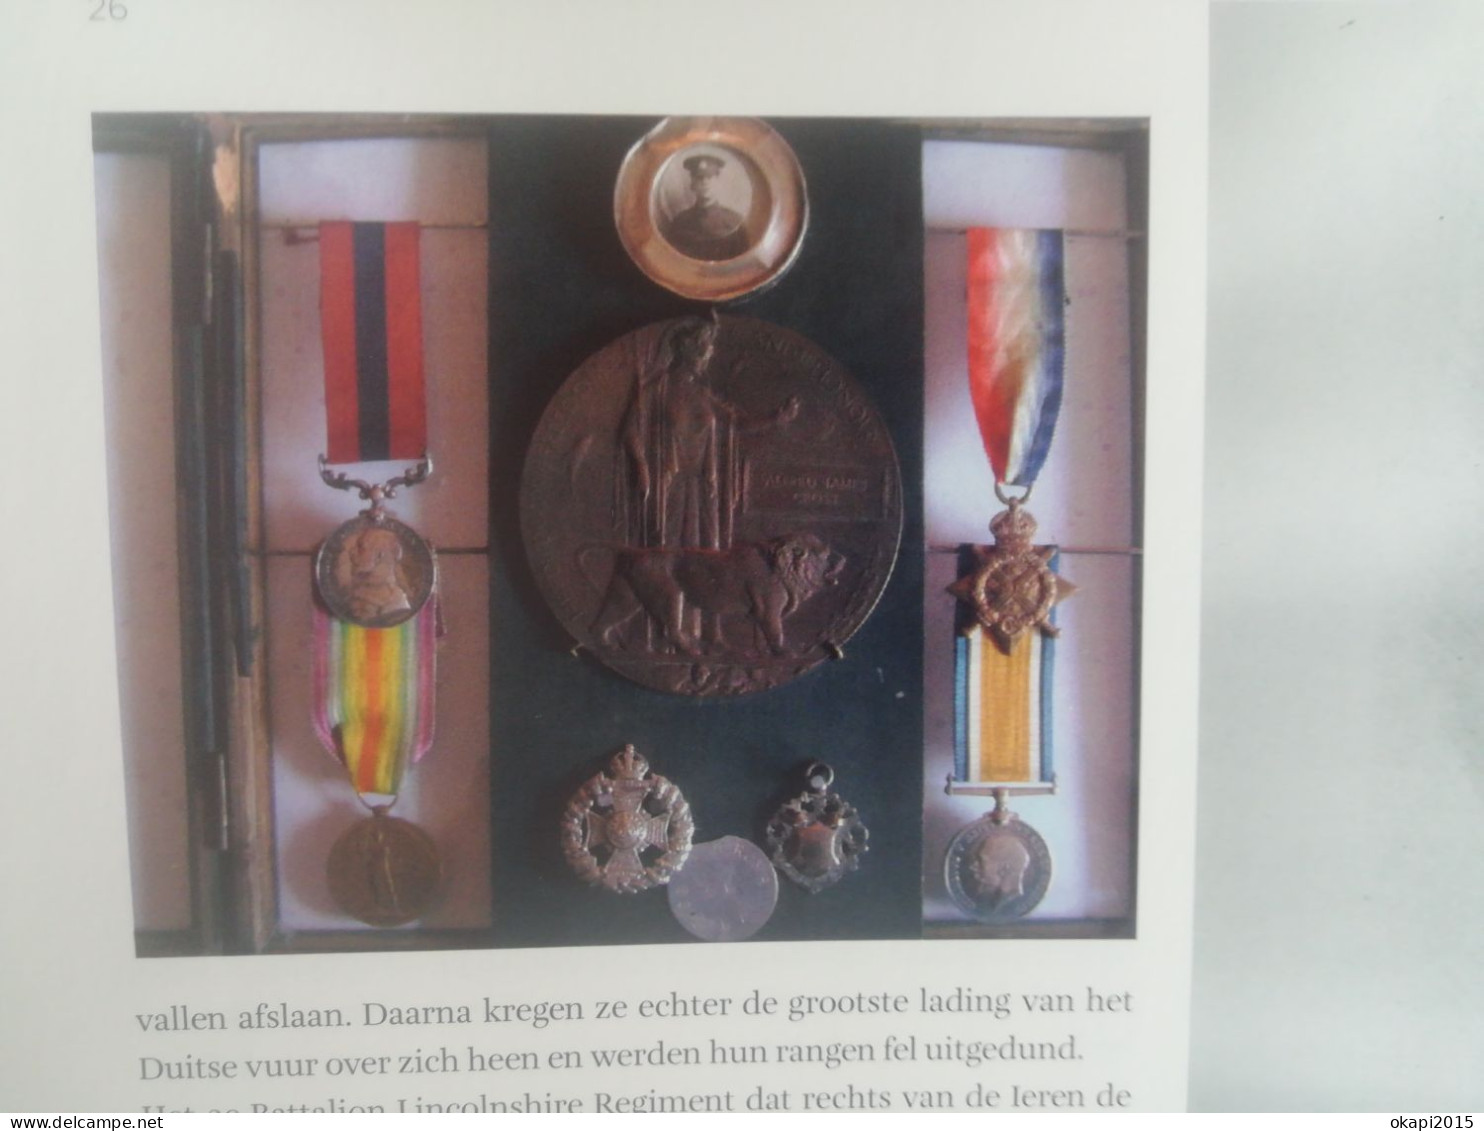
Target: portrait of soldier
(708, 229)
(369, 574)
(997, 870)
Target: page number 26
(108, 10)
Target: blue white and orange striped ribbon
(1002, 709)
(374, 695)
(1017, 345)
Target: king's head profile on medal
(369, 570)
(373, 570)
(997, 868)
(996, 871)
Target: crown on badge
(629, 765)
(1013, 527)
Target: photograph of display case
(213, 291)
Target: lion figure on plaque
(759, 583)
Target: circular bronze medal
(997, 869)
(711, 507)
(374, 571)
(726, 892)
(384, 871)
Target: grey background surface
(1339, 951)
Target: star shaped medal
(998, 868)
(1012, 588)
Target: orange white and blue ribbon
(374, 695)
(1016, 359)
(1016, 345)
(1002, 708)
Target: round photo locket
(711, 208)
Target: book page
(924, 999)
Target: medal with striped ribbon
(376, 620)
(998, 867)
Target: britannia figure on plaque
(680, 439)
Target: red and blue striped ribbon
(372, 331)
(1017, 345)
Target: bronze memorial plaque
(711, 507)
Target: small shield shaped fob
(816, 838)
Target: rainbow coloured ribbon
(1016, 357)
(373, 695)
